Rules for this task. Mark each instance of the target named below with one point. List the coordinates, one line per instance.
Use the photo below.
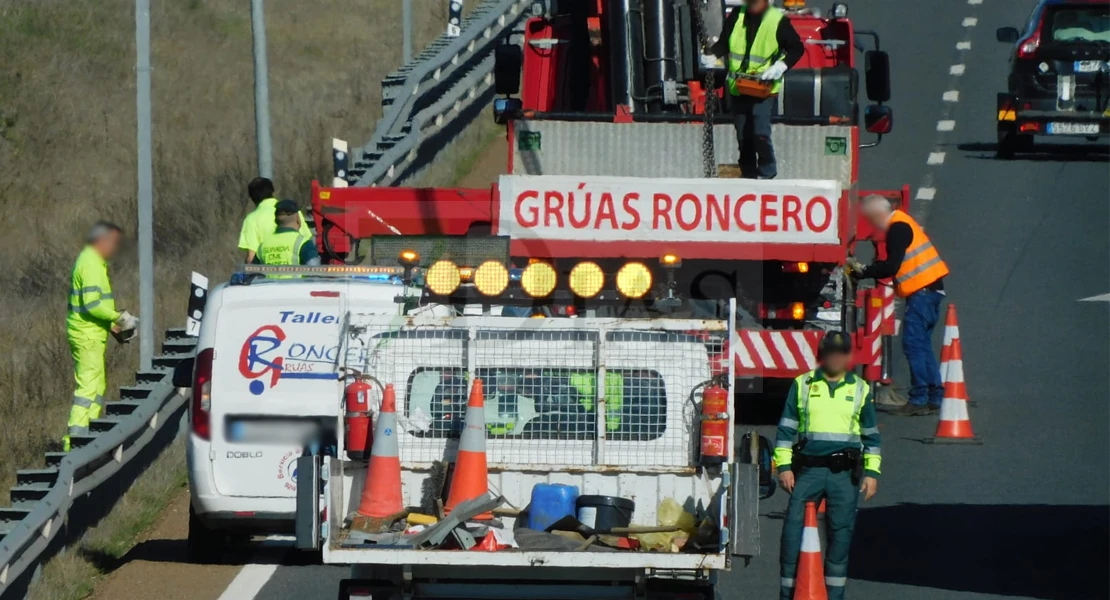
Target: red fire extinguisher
(359, 435)
(714, 426)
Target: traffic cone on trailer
(809, 581)
(955, 424)
(381, 494)
(471, 478)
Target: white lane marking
(935, 158)
(1102, 298)
(946, 125)
(956, 70)
(249, 582)
(926, 193)
(951, 96)
(964, 45)
(970, 22)
(974, 1)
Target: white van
(266, 386)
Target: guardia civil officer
(827, 448)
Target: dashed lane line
(956, 70)
(951, 96)
(970, 22)
(935, 158)
(946, 125)
(964, 45)
(249, 582)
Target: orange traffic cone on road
(955, 423)
(951, 334)
(471, 478)
(809, 582)
(381, 494)
(821, 507)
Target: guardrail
(118, 447)
(424, 100)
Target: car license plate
(1088, 66)
(1073, 128)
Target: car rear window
(540, 403)
(1078, 23)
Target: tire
(1010, 143)
(204, 545)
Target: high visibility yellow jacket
(832, 416)
(764, 51)
(260, 224)
(92, 308)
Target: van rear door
(274, 381)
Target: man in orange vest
(918, 274)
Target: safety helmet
(836, 342)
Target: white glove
(127, 321)
(775, 71)
(709, 61)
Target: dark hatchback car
(1059, 85)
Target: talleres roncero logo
(269, 355)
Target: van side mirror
(878, 118)
(506, 109)
(1007, 35)
(877, 74)
(508, 59)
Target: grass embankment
(67, 158)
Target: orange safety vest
(922, 265)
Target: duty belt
(837, 462)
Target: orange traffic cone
(810, 579)
(955, 424)
(471, 478)
(821, 507)
(381, 494)
(951, 334)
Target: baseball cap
(286, 207)
(835, 341)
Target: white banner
(734, 211)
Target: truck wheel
(1011, 142)
(204, 545)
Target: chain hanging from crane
(708, 151)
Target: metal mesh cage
(558, 392)
(463, 251)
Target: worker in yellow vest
(91, 316)
(260, 223)
(288, 245)
(760, 43)
(918, 274)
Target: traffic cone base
(810, 578)
(381, 493)
(471, 477)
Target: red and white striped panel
(767, 353)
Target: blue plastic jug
(551, 502)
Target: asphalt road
(1027, 514)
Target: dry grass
(67, 157)
(72, 574)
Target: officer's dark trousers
(811, 485)
(753, 135)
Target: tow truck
(619, 220)
(617, 151)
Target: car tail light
(1028, 48)
(202, 394)
(794, 311)
(1031, 127)
(795, 267)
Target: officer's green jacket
(832, 416)
(260, 224)
(92, 309)
(287, 246)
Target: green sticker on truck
(527, 141)
(836, 146)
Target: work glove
(127, 321)
(855, 267)
(708, 61)
(775, 71)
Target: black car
(1059, 83)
